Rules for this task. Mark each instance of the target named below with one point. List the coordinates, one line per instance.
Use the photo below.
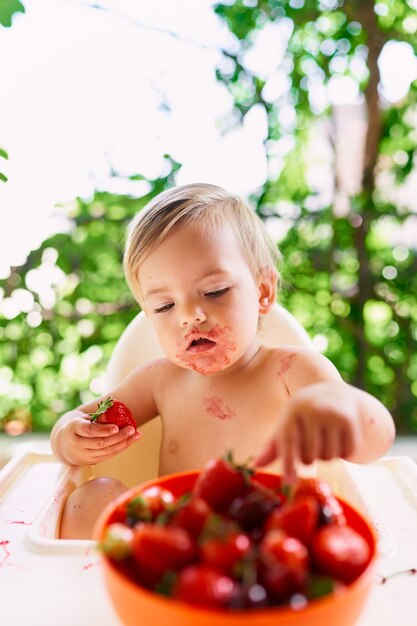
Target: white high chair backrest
(138, 345)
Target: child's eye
(217, 293)
(164, 308)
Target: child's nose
(192, 315)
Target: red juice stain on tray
(3, 544)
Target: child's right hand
(321, 421)
(82, 442)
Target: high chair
(138, 345)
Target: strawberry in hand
(111, 411)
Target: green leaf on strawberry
(111, 411)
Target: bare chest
(202, 424)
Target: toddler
(203, 269)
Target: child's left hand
(321, 422)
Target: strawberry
(330, 510)
(341, 552)
(204, 585)
(285, 563)
(226, 550)
(149, 504)
(312, 487)
(156, 549)
(221, 481)
(111, 411)
(192, 515)
(298, 518)
(117, 542)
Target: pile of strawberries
(237, 541)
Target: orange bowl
(136, 604)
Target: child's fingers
(288, 466)
(87, 428)
(310, 443)
(100, 443)
(288, 463)
(110, 451)
(348, 444)
(267, 455)
(291, 452)
(332, 443)
(351, 438)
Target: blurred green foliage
(349, 285)
(352, 288)
(3, 155)
(64, 310)
(8, 8)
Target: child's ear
(267, 289)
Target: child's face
(202, 299)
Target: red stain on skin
(212, 358)
(214, 407)
(3, 544)
(285, 363)
(22, 522)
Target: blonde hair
(206, 206)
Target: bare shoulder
(300, 365)
(154, 369)
(285, 354)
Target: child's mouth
(201, 345)
(206, 352)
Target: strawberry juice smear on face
(203, 302)
(208, 352)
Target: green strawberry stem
(166, 584)
(102, 407)
(243, 468)
(287, 490)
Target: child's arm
(327, 418)
(75, 440)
